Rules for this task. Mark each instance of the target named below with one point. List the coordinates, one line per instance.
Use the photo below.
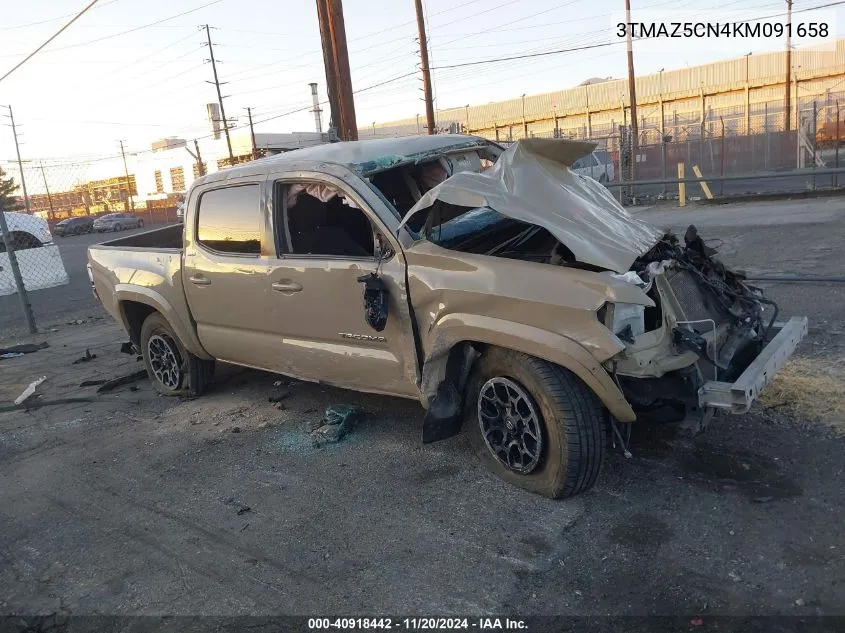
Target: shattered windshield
(470, 223)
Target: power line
(66, 15)
(54, 36)
(135, 29)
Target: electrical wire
(135, 29)
(50, 39)
(60, 17)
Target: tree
(8, 200)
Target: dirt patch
(811, 388)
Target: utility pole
(219, 95)
(336, 61)
(426, 71)
(47, 189)
(787, 98)
(252, 134)
(23, 295)
(200, 168)
(632, 92)
(129, 181)
(317, 110)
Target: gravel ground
(132, 503)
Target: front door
(327, 239)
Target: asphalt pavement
(130, 503)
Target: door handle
(199, 280)
(286, 286)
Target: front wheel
(172, 369)
(535, 424)
(140, 224)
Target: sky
(137, 71)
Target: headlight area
(625, 320)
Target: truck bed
(142, 268)
(169, 237)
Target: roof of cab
(365, 157)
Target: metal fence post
(722, 158)
(23, 296)
(836, 177)
(766, 132)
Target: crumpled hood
(531, 182)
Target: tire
(568, 458)
(117, 228)
(173, 370)
(140, 224)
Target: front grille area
(694, 300)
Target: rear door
(225, 271)
(327, 236)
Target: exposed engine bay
(696, 338)
(712, 297)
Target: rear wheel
(140, 224)
(172, 369)
(117, 228)
(535, 424)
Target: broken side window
(318, 219)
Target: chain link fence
(45, 235)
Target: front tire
(140, 224)
(535, 424)
(172, 369)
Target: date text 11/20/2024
(417, 624)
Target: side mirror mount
(375, 301)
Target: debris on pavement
(128, 348)
(84, 359)
(336, 424)
(37, 403)
(800, 602)
(19, 350)
(236, 429)
(30, 390)
(279, 395)
(92, 383)
(242, 508)
(122, 380)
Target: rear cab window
(229, 220)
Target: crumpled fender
(456, 327)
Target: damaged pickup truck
(506, 293)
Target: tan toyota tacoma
(503, 291)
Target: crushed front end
(712, 341)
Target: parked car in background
(38, 258)
(117, 222)
(74, 226)
(597, 165)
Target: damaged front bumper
(737, 396)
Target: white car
(598, 166)
(39, 259)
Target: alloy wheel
(165, 360)
(510, 424)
